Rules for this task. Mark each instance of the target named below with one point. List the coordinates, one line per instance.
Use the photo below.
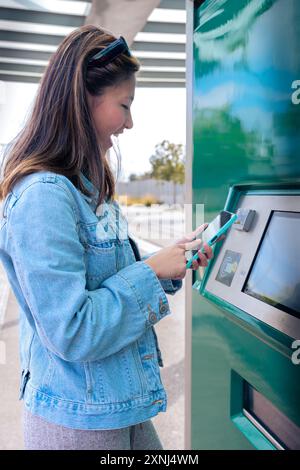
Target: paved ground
(170, 332)
(10, 406)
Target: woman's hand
(169, 262)
(191, 243)
(193, 235)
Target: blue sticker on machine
(228, 267)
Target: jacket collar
(92, 201)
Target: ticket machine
(243, 313)
(258, 267)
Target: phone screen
(212, 230)
(215, 225)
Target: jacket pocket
(99, 255)
(24, 379)
(27, 336)
(117, 378)
(159, 356)
(139, 367)
(100, 262)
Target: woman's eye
(124, 106)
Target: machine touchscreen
(274, 277)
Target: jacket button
(152, 317)
(163, 308)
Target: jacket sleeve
(170, 286)
(72, 322)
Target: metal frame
(188, 217)
(28, 29)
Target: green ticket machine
(243, 155)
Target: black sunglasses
(109, 53)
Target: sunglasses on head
(109, 53)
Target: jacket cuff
(170, 286)
(148, 291)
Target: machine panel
(259, 271)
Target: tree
(144, 176)
(168, 164)
(133, 177)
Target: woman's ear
(93, 101)
(90, 100)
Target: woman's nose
(129, 122)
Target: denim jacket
(88, 305)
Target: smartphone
(214, 231)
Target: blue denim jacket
(89, 353)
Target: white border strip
(4, 290)
(144, 245)
(189, 5)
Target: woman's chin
(107, 145)
(113, 139)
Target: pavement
(10, 406)
(170, 332)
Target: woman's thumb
(194, 245)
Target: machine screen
(275, 274)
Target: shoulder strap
(135, 249)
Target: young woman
(88, 303)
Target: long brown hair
(59, 135)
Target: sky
(158, 114)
